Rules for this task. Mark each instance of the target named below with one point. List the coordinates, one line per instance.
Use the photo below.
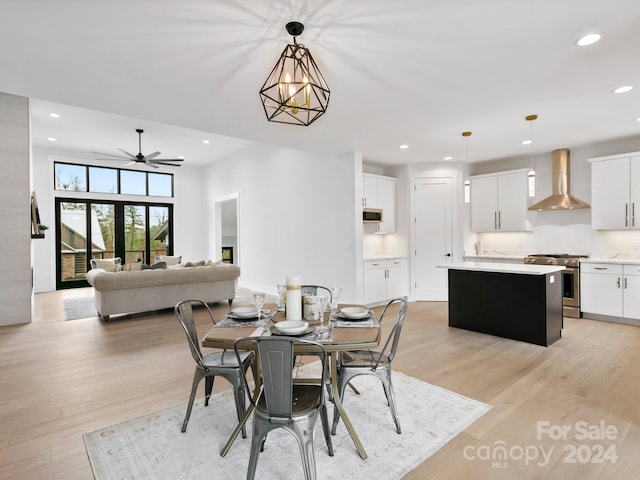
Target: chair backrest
(184, 313)
(317, 290)
(391, 345)
(276, 357)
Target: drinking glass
(322, 307)
(258, 300)
(282, 296)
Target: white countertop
(383, 257)
(523, 269)
(616, 260)
(495, 256)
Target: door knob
(447, 255)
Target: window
(119, 181)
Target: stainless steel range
(570, 278)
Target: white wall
(298, 215)
(189, 210)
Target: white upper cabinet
(380, 192)
(615, 192)
(499, 202)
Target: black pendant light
(295, 91)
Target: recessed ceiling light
(181, 156)
(527, 142)
(54, 115)
(404, 147)
(206, 141)
(51, 139)
(589, 39)
(623, 89)
(448, 158)
(638, 119)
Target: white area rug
(81, 307)
(152, 447)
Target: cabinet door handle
(600, 268)
(626, 214)
(495, 220)
(625, 283)
(499, 220)
(618, 282)
(633, 214)
(375, 264)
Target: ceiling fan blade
(109, 155)
(152, 155)
(167, 159)
(161, 162)
(153, 165)
(130, 163)
(124, 151)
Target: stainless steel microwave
(372, 215)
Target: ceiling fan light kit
(149, 160)
(295, 91)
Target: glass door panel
(135, 234)
(103, 229)
(158, 231)
(73, 242)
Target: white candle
(294, 298)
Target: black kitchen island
(520, 302)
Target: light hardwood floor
(60, 379)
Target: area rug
(80, 307)
(152, 447)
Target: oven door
(571, 287)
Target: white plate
(292, 327)
(245, 312)
(354, 312)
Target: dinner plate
(274, 331)
(243, 319)
(354, 313)
(245, 312)
(349, 319)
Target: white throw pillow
(171, 260)
(106, 264)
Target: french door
(86, 229)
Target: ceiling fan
(150, 159)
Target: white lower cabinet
(610, 289)
(385, 279)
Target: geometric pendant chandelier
(295, 91)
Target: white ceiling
(409, 71)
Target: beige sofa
(146, 290)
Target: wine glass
(336, 293)
(258, 300)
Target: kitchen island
(520, 302)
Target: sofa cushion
(170, 260)
(108, 264)
(130, 267)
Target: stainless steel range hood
(560, 198)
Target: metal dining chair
(368, 362)
(283, 402)
(225, 364)
(317, 290)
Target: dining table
(339, 336)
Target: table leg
(247, 413)
(338, 405)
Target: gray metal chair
(284, 402)
(367, 362)
(224, 364)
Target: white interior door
(433, 236)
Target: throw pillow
(108, 264)
(171, 260)
(155, 266)
(195, 264)
(211, 262)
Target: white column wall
(297, 216)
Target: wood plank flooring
(60, 379)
